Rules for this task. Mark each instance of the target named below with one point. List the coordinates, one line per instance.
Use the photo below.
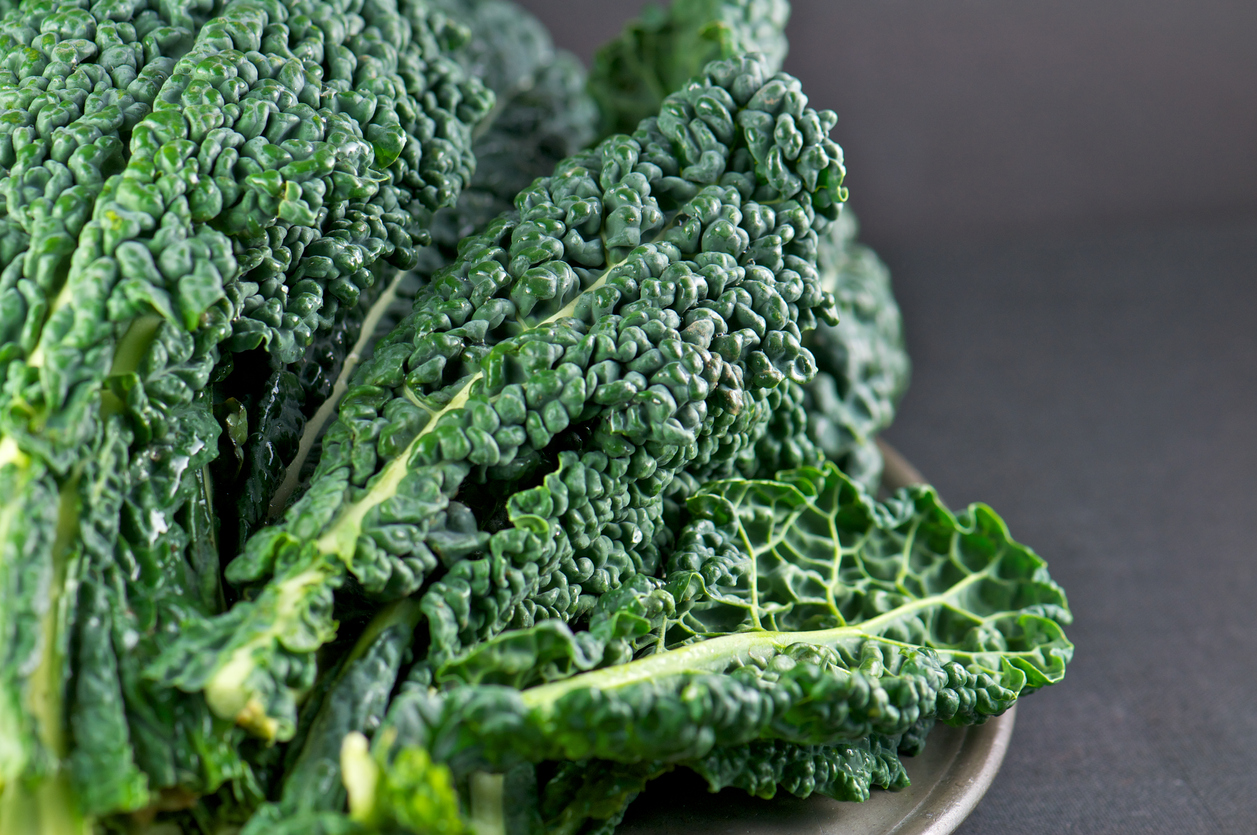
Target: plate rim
(964, 782)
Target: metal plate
(948, 778)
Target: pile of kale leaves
(403, 430)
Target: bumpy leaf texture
(93, 75)
(845, 771)
(541, 115)
(862, 370)
(862, 364)
(234, 173)
(592, 796)
(664, 48)
(627, 324)
(207, 161)
(803, 634)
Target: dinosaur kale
(801, 626)
(862, 365)
(76, 82)
(862, 370)
(802, 637)
(354, 700)
(626, 326)
(541, 114)
(275, 155)
(659, 52)
(592, 796)
(554, 543)
(861, 362)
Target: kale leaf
(799, 621)
(659, 52)
(551, 364)
(862, 370)
(206, 179)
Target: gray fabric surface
(1100, 393)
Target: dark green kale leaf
(621, 329)
(592, 796)
(58, 612)
(844, 771)
(863, 367)
(862, 370)
(824, 617)
(803, 636)
(260, 242)
(664, 48)
(541, 114)
(28, 522)
(93, 74)
(278, 154)
(354, 702)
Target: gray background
(1066, 193)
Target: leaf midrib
(342, 536)
(714, 655)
